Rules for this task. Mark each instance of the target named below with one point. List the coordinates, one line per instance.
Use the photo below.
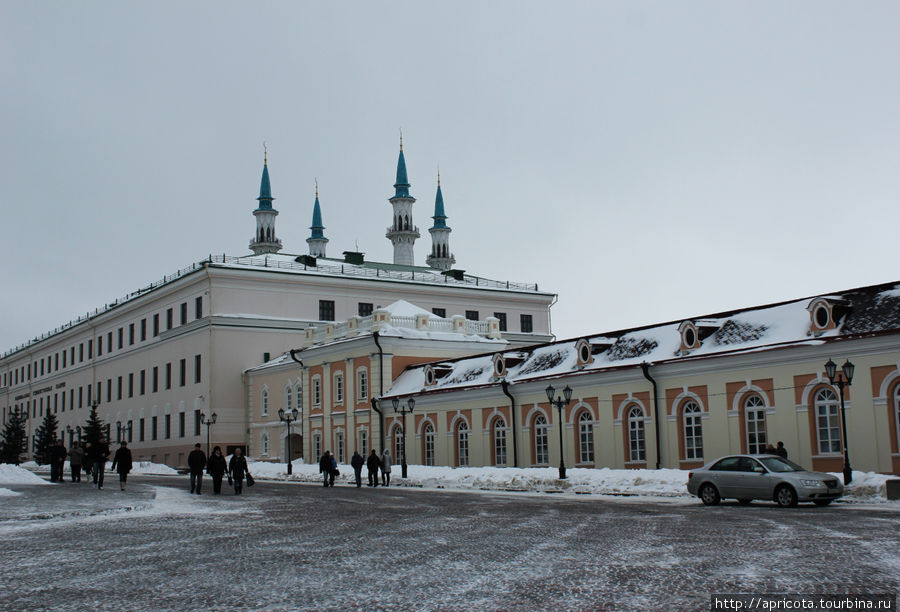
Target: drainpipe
(512, 412)
(381, 389)
(645, 368)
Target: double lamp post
(560, 403)
(844, 378)
(288, 417)
(403, 410)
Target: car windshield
(777, 464)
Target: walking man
(122, 464)
(237, 469)
(373, 463)
(76, 456)
(196, 462)
(57, 461)
(357, 463)
(217, 468)
(101, 455)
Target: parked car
(769, 477)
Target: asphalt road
(291, 547)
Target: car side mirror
(759, 470)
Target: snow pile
(867, 486)
(7, 492)
(138, 467)
(14, 474)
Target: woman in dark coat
(216, 467)
(122, 464)
(373, 463)
(237, 469)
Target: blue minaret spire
(265, 240)
(440, 258)
(402, 233)
(317, 239)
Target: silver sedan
(769, 477)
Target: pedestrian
(327, 468)
(334, 469)
(101, 455)
(216, 468)
(386, 468)
(237, 470)
(122, 463)
(87, 461)
(357, 463)
(57, 461)
(770, 450)
(196, 463)
(372, 464)
(781, 451)
(76, 457)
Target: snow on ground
(7, 492)
(866, 486)
(14, 474)
(139, 467)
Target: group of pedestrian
(217, 468)
(374, 464)
(91, 459)
(779, 450)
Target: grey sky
(646, 161)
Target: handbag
(250, 481)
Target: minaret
(403, 232)
(317, 239)
(441, 258)
(265, 240)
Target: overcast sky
(647, 161)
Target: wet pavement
(303, 547)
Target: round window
(429, 377)
(689, 337)
(585, 353)
(821, 315)
(499, 366)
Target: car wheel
(709, 495)
(744, 502)
(822, 502)
(785, 496)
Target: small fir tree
(45, 438)
(13, 445)
(94, 429)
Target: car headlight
(812, 483)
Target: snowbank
(14, 474)
(7, 492)
(139, 467)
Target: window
(196, 422)
(462, 443)
(143, 381)
(693, 431)
(109, 343)
(184, 313)
(326, 310)
(287, 397)
(362, 384)
(499, 430)
(525, 323)
(636, 446)
(169, 318)
(363, 442)
(119, 388)
(99, 347)
(472, 315)
(168, 376)
(441, 312)
(81, 351)
(141, 430)
(121, 335)
(130, 431)
(264, 443)
(198, 308)
(429, 444)
(502, 317)
(339, 388)
(585, 438)
(365, 309)
(168, 426)
(131, 384)
(154, 425)
(541, 441)
(298, 394)
(182, 372)
(180, 424)
(827, 422)
(398, 444)
(339, 446)
(156, 325)
(143, 329)
(264, 403)
(317, 391)
(755, 418)
(154, 385)
(197, 362)
(131, 333)
(317, 444)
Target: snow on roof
(402, 308)
(866, 311)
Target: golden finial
(401, 139)
(265, 154)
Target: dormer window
(430, 378)
(693, 333)
(825, 313)
(499, 366)
(435, 372)
(583, 352)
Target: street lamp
(845, 377)
(288, 418)
(560, 403)
(403, 410)
(208, 422)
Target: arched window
(499, 430)
(541, 440)
(755, 419)
(363, 442)
(298, 395)
(636, 448)
(429, 444)
(362, 384)
(693, 431)
(264, 443)
(398, 444)
(339, 446)
(287, 397)
(828, 425)
(317, 391)
(264, 402)
(317, 445)
(462, 443)
(585, 437)
(339, 388)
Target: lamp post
(288, 418)
(844, 378)
(208, 422)
(403, 410)
(560, 403)
(71, 433)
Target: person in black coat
(57, 461)
(357, 463)
(216, 468)
(237, 470)
(327, 467)
(101, 455)
(780, 450)
(373, 463)
(196, 463)
(122, 464)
